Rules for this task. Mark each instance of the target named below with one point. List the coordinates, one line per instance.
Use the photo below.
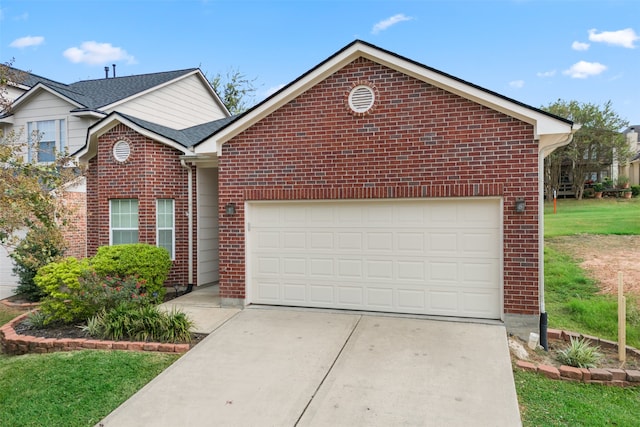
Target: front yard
(578, 298)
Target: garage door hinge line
(328, 371)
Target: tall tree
(235, 89)
(597, 144)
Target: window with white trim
(165, 225)
(46, 138)
(123, 221)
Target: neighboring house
(372, 182)
(632, 169)
(62, 114)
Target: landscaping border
(609, 376)
(15, 344)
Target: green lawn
(592, 216)
(72, 388)
(563, 403)
(573, 304)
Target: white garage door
(437, 257)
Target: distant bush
(635, 190)
(145, 261)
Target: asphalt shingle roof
(186, 137)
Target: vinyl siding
(182, 104)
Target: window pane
(165, 240)
(165, 225)
(124, 221)
(121, 237)
(46, 151)
(63, 135)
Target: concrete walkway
(287, 367)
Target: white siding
(7, 280)
(46, 106)
(180, 105)
(207, 183)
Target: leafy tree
(234, 89)
(30, 193)
(597, 144)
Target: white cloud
(580, 46)
(395, 19)
(624, 38)
(27, 41)
(517, 84)
(583, 69)
(94, 53)
(550, 73)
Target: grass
(592, 216)
(573, 304)
(545, 402)
(71, 388)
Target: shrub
(60, 282)
(143, 260)
(39, 247)
(140, 323)
(579, 354)
(74, 292)
(635, 190)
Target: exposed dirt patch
(603, 257)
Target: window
(165, 225)
(123, 218)
(46, 138)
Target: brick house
(372, 182)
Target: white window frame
(172, 228)
(59, 138)
(111, 227)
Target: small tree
(598, 143)
(29, 195)
(233, 89)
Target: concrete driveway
(288, 367)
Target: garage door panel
(426, 257)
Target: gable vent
(361, 98)
(121, 151)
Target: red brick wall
(153, 171)
(75, 231)
(419, 141)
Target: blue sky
(535, 51)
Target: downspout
(190, 221)
(543, 311)
(543, 153)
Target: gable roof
(182, 140)
(100, 94)
(551, 131)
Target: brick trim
(15, 344)
(387, 192)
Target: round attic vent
(121, 151)
(361, 99)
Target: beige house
(632, 169)
(62, 114)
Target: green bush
(635, 190)
(137, 259)
(60, 282)
(74, 292)
(39, 247)
(140, 323)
